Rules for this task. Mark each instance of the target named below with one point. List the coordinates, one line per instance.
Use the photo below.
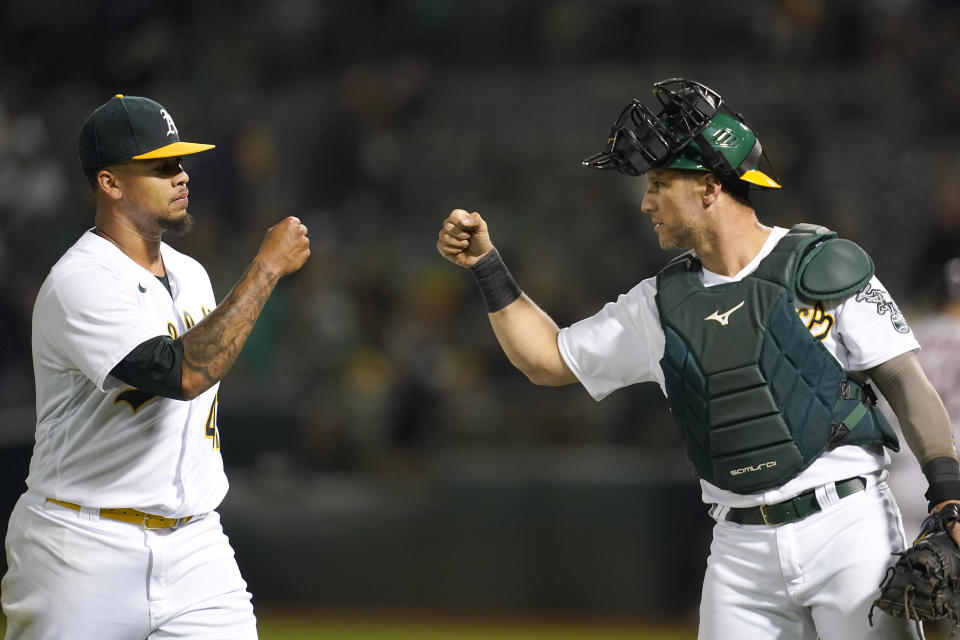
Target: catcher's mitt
(924, 584)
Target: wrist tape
(497, 286)
(943, 474)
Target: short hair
(92, 176)
(739, 190)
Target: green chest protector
(758, 398)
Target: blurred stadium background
(383, 454)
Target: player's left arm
(212, 345)
(185, 367)
(878, 343)
(154, 366)
(925, 424)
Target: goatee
(178, 226)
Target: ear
(712, 189)
(108, 184)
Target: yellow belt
(133, 516)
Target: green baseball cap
(131, 128)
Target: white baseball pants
(74, 575)
(813, 578)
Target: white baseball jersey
(623, 344)
(100, 443)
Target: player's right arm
(527, 335)
(184, 368)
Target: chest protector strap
(756, 396)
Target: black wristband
(497, 286)
(943, 474)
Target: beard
(687, 236)
(682, 237)
(178, 226)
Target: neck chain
(103, 234)
(106, 236)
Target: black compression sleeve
(154, 366)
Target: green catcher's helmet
(694, 130)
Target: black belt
(796, 508)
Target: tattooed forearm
(211, 347)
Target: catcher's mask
(693, 130)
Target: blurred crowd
(371, 120)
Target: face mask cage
(640, 139)
(687, 105)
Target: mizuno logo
(143, 289)
(723, 318)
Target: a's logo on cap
(171, 128)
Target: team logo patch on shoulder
(885, 305)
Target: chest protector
(756, 397)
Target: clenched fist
(286, 247)
(463, 238)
